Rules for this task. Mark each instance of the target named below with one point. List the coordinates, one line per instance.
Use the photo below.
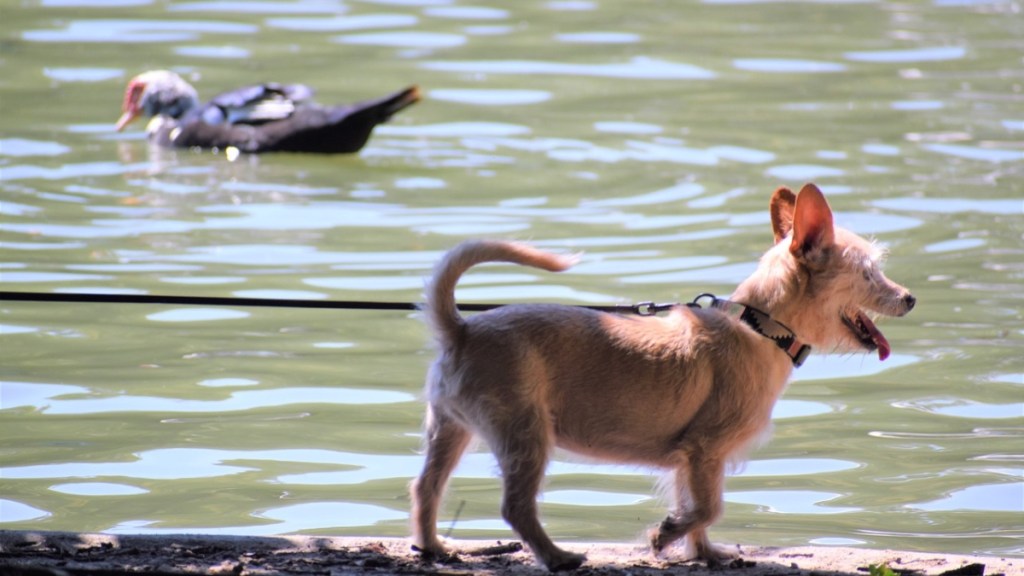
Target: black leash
(641, 309)
(759, 321)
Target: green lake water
(648, 135)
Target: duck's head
(157, 92)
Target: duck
(269, 117)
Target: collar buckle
(801, 354)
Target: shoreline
(41, 553)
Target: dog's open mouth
(867, 333)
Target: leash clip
(651, 308)
(709, 297)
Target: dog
(688, 392)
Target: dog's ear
(781, 208)
(812, 223)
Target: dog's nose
(910, 301)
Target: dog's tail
(442, 313)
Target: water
(649, 136)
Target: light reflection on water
(637, 68)
(13, 511)
(287, 519)
(482, 97)
(654, 158)
(135, 31)
(404, 39)
(926, 54)
(787, 66)
(790, 501)
(341, 23)
(966, 408)
(51, 399)
(98, 489)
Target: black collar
(763, 324)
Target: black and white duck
(261, 118)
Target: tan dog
(688, 392)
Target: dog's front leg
(698, 486)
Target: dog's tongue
(876, 337)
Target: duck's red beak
(130, 108)
(126, 118)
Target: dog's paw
(664, 535)
(435, 553)
(565, 560)
(715, 555)
(655, 540)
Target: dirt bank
(28, 553)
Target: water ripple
(953, 205)
(8, 329)
(627, 128)
(455, 129)
(796, 466)
(410, 39)
(873, 223)
(520, 293)
(343, 23)
(15, 209)
(832, 366)
(212, 51)
(623, 265)
(14, 511)
(287, 519)
(984, 497)
(598, 38)
(790, 501)
(571, 5)
(787, 408)
(33, 395)
(238, 401)
(136, 31)
(783, 66)
(964, 408)
(21, 147)
(592, 498)
(466, 12)
(928, 54)
(803, 172)
(958, 245)
(724, 274)
(196, 315)
(66, 171)
(675, 193)
(34, 277)
(993, 155)
(280, 294)
(639, 68)
(491, 97)
(576, 150)
(281, 255)
(261, 7)
(228, 382)
(912, 105)
(98, 489)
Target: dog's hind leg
(522, 453)
(446, 440)
(699, 484)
